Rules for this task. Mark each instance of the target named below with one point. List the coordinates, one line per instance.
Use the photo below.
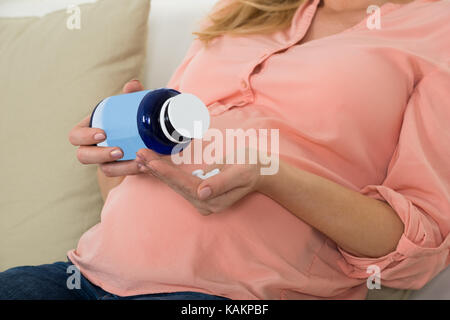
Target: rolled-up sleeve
(417, 187)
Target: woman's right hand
(85, 139)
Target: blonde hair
(240, 17)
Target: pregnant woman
(362, 105)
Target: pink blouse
(367, 109)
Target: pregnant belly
(150, 234)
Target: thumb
(132, 86)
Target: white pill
(211, 173)
(199, 173)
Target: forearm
(358, 224)
(107, 183)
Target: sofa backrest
(170, 26)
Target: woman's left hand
(212, 195)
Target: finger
(147, 155)
(122, 168)
(83, 135)
(132, 86)
(176, 178)
(228, 179)
(80, 136)
(168, 172)
(93, 154)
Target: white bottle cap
(188, 115)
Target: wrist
(267, 183)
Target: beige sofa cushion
(50, 78)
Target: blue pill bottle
(163, 120)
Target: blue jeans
(50, 282)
